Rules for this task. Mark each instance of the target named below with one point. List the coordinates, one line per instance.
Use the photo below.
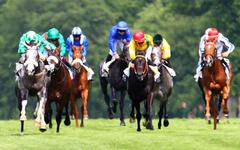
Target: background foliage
(181, 22)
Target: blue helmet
(122, 25)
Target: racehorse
(81, 85)
(141, 88)
(162, 92)
(31, 81)
(214, 82)
(118, 87)
(59, 89)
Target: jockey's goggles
(53, 40)
(121, 31)
(77, 35)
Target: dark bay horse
(118, 87)
(59, 89)
(141, 88)
(31, 81)
(214, 82)
(81, 85)
(162, 92)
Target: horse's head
(140, 66)
(77, 57)
(54, 59)
(210, 53)
(32, 59)
(125, 54)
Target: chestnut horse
(214, 82)
(81, 85)
(59, 89)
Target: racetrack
(182, 134)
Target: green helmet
(31, 38)
(53, 33)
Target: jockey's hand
(42, 57)
(225, 54)
(116, 56)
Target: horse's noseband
(144, 69)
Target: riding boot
(105, 66)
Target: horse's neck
(217, 66)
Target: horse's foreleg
(139, 116)
(59, 115)
(84, 94)
(207, 108)
(23, 110)
(165, 122)
(39, 121)
(132, 114)
(114, 99)
(160, 114)
(104, 84)
(224, 100)
(121, 107)
(149, 111)
(36, 109)
(67, 118)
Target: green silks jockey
(53, 36)
(31, 38)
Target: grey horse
(31, 81)
(162, 92)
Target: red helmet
(212, 33)
(139, 36)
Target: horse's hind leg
(121, 107)
(160, 114)
(74, 109)
(104, 83)
(165, 122)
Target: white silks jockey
(212, 34)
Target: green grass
(182, 134)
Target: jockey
(120, 35)
(31, 38)
(162, 50)
(141, 42)
(56, 38)
(212, 34)
(77, 38)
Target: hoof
(209, 121)
(67, 122)
(159, 125)
(110, 116)
(42, 130)
(50, 125)
(144, 123)
(122, 123)
(131, 120)
(149, 126)
(21, 133)
(85, 117)
(139, 130)
(165, 123)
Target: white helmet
(76, 31)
